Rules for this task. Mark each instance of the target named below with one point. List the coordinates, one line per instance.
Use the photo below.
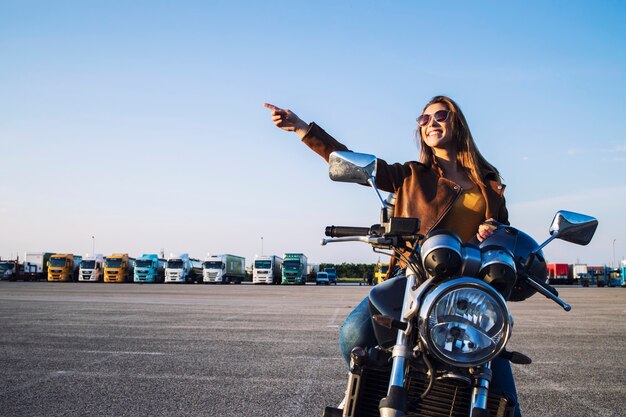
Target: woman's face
(437, 134)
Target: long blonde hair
(468, 155)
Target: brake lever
(546, 291)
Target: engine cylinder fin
(446, 399)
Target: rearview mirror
(344, 166)
(573, 227)
(351, 167)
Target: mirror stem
(553, 236)
(531, 258)
(383, 203)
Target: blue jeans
(357, 330)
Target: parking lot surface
(79, 349)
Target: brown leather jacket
(420, 190)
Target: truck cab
(267, 270)
(183, 269)
(63, 267)
(8, 270)
(91, 269)
(294, 269)
(223, 269)
(332, 275)
(118, 268)
(177, 268)
(149, 268)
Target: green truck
(294, 268)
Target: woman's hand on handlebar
(486, 229)
(287, 120)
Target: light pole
(93, 246)
(614, 264)
(261, 245)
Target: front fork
(482, 379)
(395, 404)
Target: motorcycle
(440, 325)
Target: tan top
(467, 213)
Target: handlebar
(372, 240)
(343, 231)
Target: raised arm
(388, 178)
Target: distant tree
(349, 270)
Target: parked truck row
(586, 275)
(292, 268)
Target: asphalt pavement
(84, 349)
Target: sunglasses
(439, 116)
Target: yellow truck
(118, 268)
(63, 267)
(380, 273)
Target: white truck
(92, 268)
(181, 268)
(224, 269)
(267, 270)
(36, 265)
(580, 273)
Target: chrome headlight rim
(431, 301)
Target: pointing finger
(270, 106)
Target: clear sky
(141, 123)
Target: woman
(451, 181)
(452, 187)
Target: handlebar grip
(342, 231)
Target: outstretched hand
(287, 120)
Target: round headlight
(464, 322)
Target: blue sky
(141, 123)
